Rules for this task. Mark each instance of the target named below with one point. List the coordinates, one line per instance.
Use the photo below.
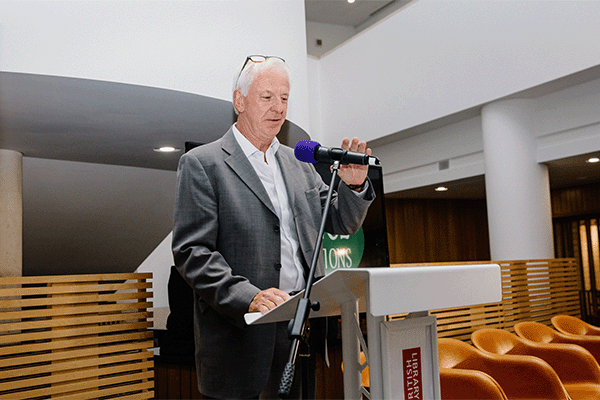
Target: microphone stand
(297, 326)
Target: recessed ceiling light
(167, 149)
(441, 189)
(350, 1)
(593, 160)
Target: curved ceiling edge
(112, 123)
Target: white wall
(413, 162)
(437, 58)
(567, 123)
(159, 263)
(191, 46)
(314, 93)
(330, 35)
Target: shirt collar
(247, 147)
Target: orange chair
(520, 377)
(464, 384)
(576, 367)
(365, 379)
(574, 326)
(541, 333)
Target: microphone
(312, 152)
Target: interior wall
(568, 122)
(414, 161)
(330, 36)
(436, 58)
(428, 230)
(576, 201)
(93, 218)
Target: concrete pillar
(517, 187)
(11, 213)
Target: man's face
(264, 109)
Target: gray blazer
(226, 245)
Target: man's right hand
(267, 300)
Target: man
(247, 215)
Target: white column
(517, 187)
(11, 213)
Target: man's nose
(278, 105)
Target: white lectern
(402, 354)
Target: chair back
(495, 341)
(453, 352)
(464, 384)
(535, 331)
(574, 326)
(514, 373)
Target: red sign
(413, 382)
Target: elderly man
(247, 215)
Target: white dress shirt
(291, 276)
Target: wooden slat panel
(71, 365)
(79, 341)
(74, 354)
(72, 387)
(27, 280)
(90, 298)
(76, 337)
(74, 375)
(114, 393)
(75, 310)
(532, 290)
(71, 289)
(76, 320)
(28, 336)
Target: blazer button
(277, 266)
(276, 228)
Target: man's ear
(238, 100)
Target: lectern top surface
(397, 290)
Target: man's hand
(267, 300)
(353, 174)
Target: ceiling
(101, 122)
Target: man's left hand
(353, 174)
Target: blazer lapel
(239, 163)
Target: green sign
(343, 251)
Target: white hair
(251, 70)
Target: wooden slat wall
(533, 290)
(76, 337)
